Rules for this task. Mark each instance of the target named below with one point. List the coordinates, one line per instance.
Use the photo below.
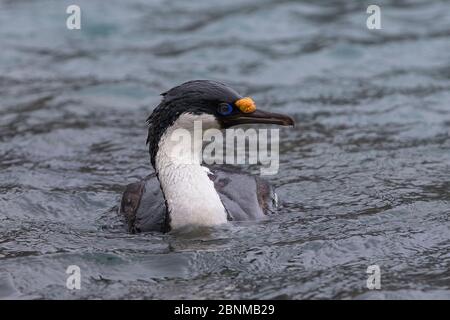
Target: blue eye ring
(225, 109)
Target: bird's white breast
(189, 192)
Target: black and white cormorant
(182, 193)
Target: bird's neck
(189, 192)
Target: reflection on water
(364, 176)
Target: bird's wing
(143, 206)
(245, 197)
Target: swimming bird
(181, 193)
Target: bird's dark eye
(225, 109)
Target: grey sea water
(364, 176)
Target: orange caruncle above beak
(246, 105)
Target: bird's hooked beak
(249, 115)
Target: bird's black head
(210, 99)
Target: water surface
(364, 176)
